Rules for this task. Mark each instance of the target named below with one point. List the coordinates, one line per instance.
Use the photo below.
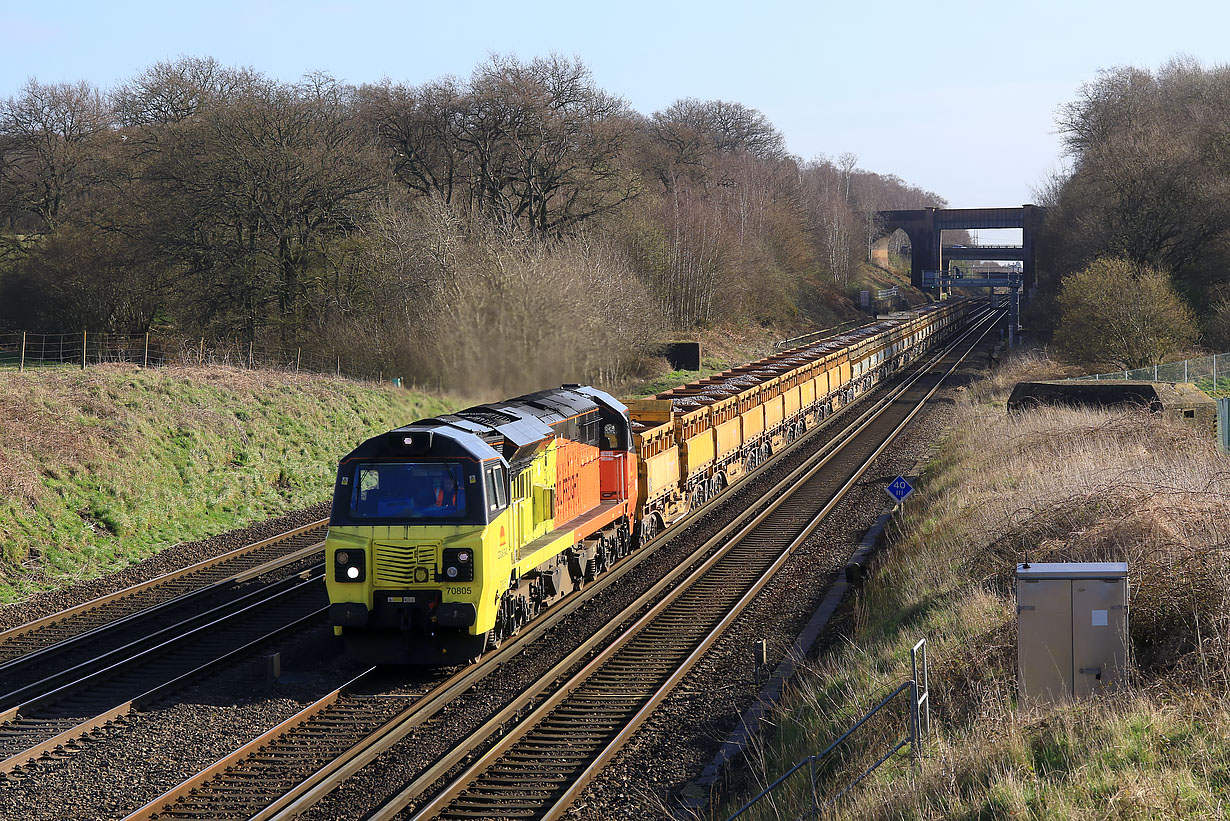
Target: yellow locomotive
(447, 535)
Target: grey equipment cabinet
(1072, 629)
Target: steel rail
(604, 659)
(324, 779)
(105, 660)
(98, 621)
(24, 719)
(189, 786)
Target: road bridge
(924, 227)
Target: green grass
(104, 467)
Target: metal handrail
(920, 727)
(812, 760)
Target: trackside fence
(920, 728)
(1209, 373)
(23, 350)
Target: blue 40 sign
(899, 488)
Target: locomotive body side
(447, 535)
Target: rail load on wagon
(450, 534)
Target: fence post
(924, 715)
(83, 338)
(914, 722)
(1214, 373)
(251, 360)
(1185, 361)
(298, 356)
(21, 362)
(811, 774)
(339, 366)
(145, 360)
(200, 359)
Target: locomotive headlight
(458, 565)
(349, 566)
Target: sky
(956, 97)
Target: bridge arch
(923, 227)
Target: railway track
(63, 708)
(540, 768)
(126, 620)
(287, 770)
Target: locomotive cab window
(413, 492)
(497, 488)
(610, 430)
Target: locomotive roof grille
(487, 416)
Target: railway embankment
(105, 467)
(1051, 484)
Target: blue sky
(958, 97)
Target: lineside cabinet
(1072, 629)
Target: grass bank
(1056, 485)
(103, 467)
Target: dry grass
(1053, 484)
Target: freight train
(448, 535)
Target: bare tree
(50, 136)
(172, 91)
(254, 195)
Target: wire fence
(1209, 373)
(24, 350)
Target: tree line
(497, 231)
(1136, 246)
